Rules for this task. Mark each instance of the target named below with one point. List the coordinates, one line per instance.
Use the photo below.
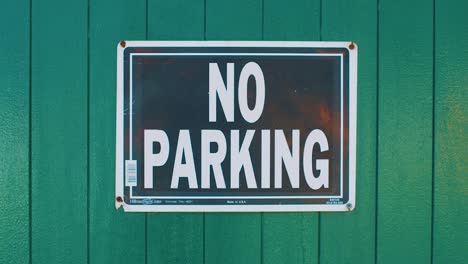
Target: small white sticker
(130, 172)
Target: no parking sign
(236, 126)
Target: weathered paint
(450, 206)
(57, 107)
(14, 132)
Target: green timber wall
(57, 134)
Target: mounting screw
(119, 199)
(351, 46)
(349, 206)
(123, 43)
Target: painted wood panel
(14, 131)
(355, 21)
(404, 146)
(59, 132)
(57, 136)
(451, 133)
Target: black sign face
(236, 126)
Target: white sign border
(240, 54)
(350, 205)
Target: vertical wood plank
(176, 20)
(451, 130)
(291, 237)
(175, 237)
(115, 236)
(233, 237)
(59, 131)
(298, 20)
(405, 132)
(14, 132)
(233, 20)
(350, 237)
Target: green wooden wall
(57, 119)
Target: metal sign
(236, 126)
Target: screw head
(351, 46)
(119, 199)
(123, 43)
(349, 206)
